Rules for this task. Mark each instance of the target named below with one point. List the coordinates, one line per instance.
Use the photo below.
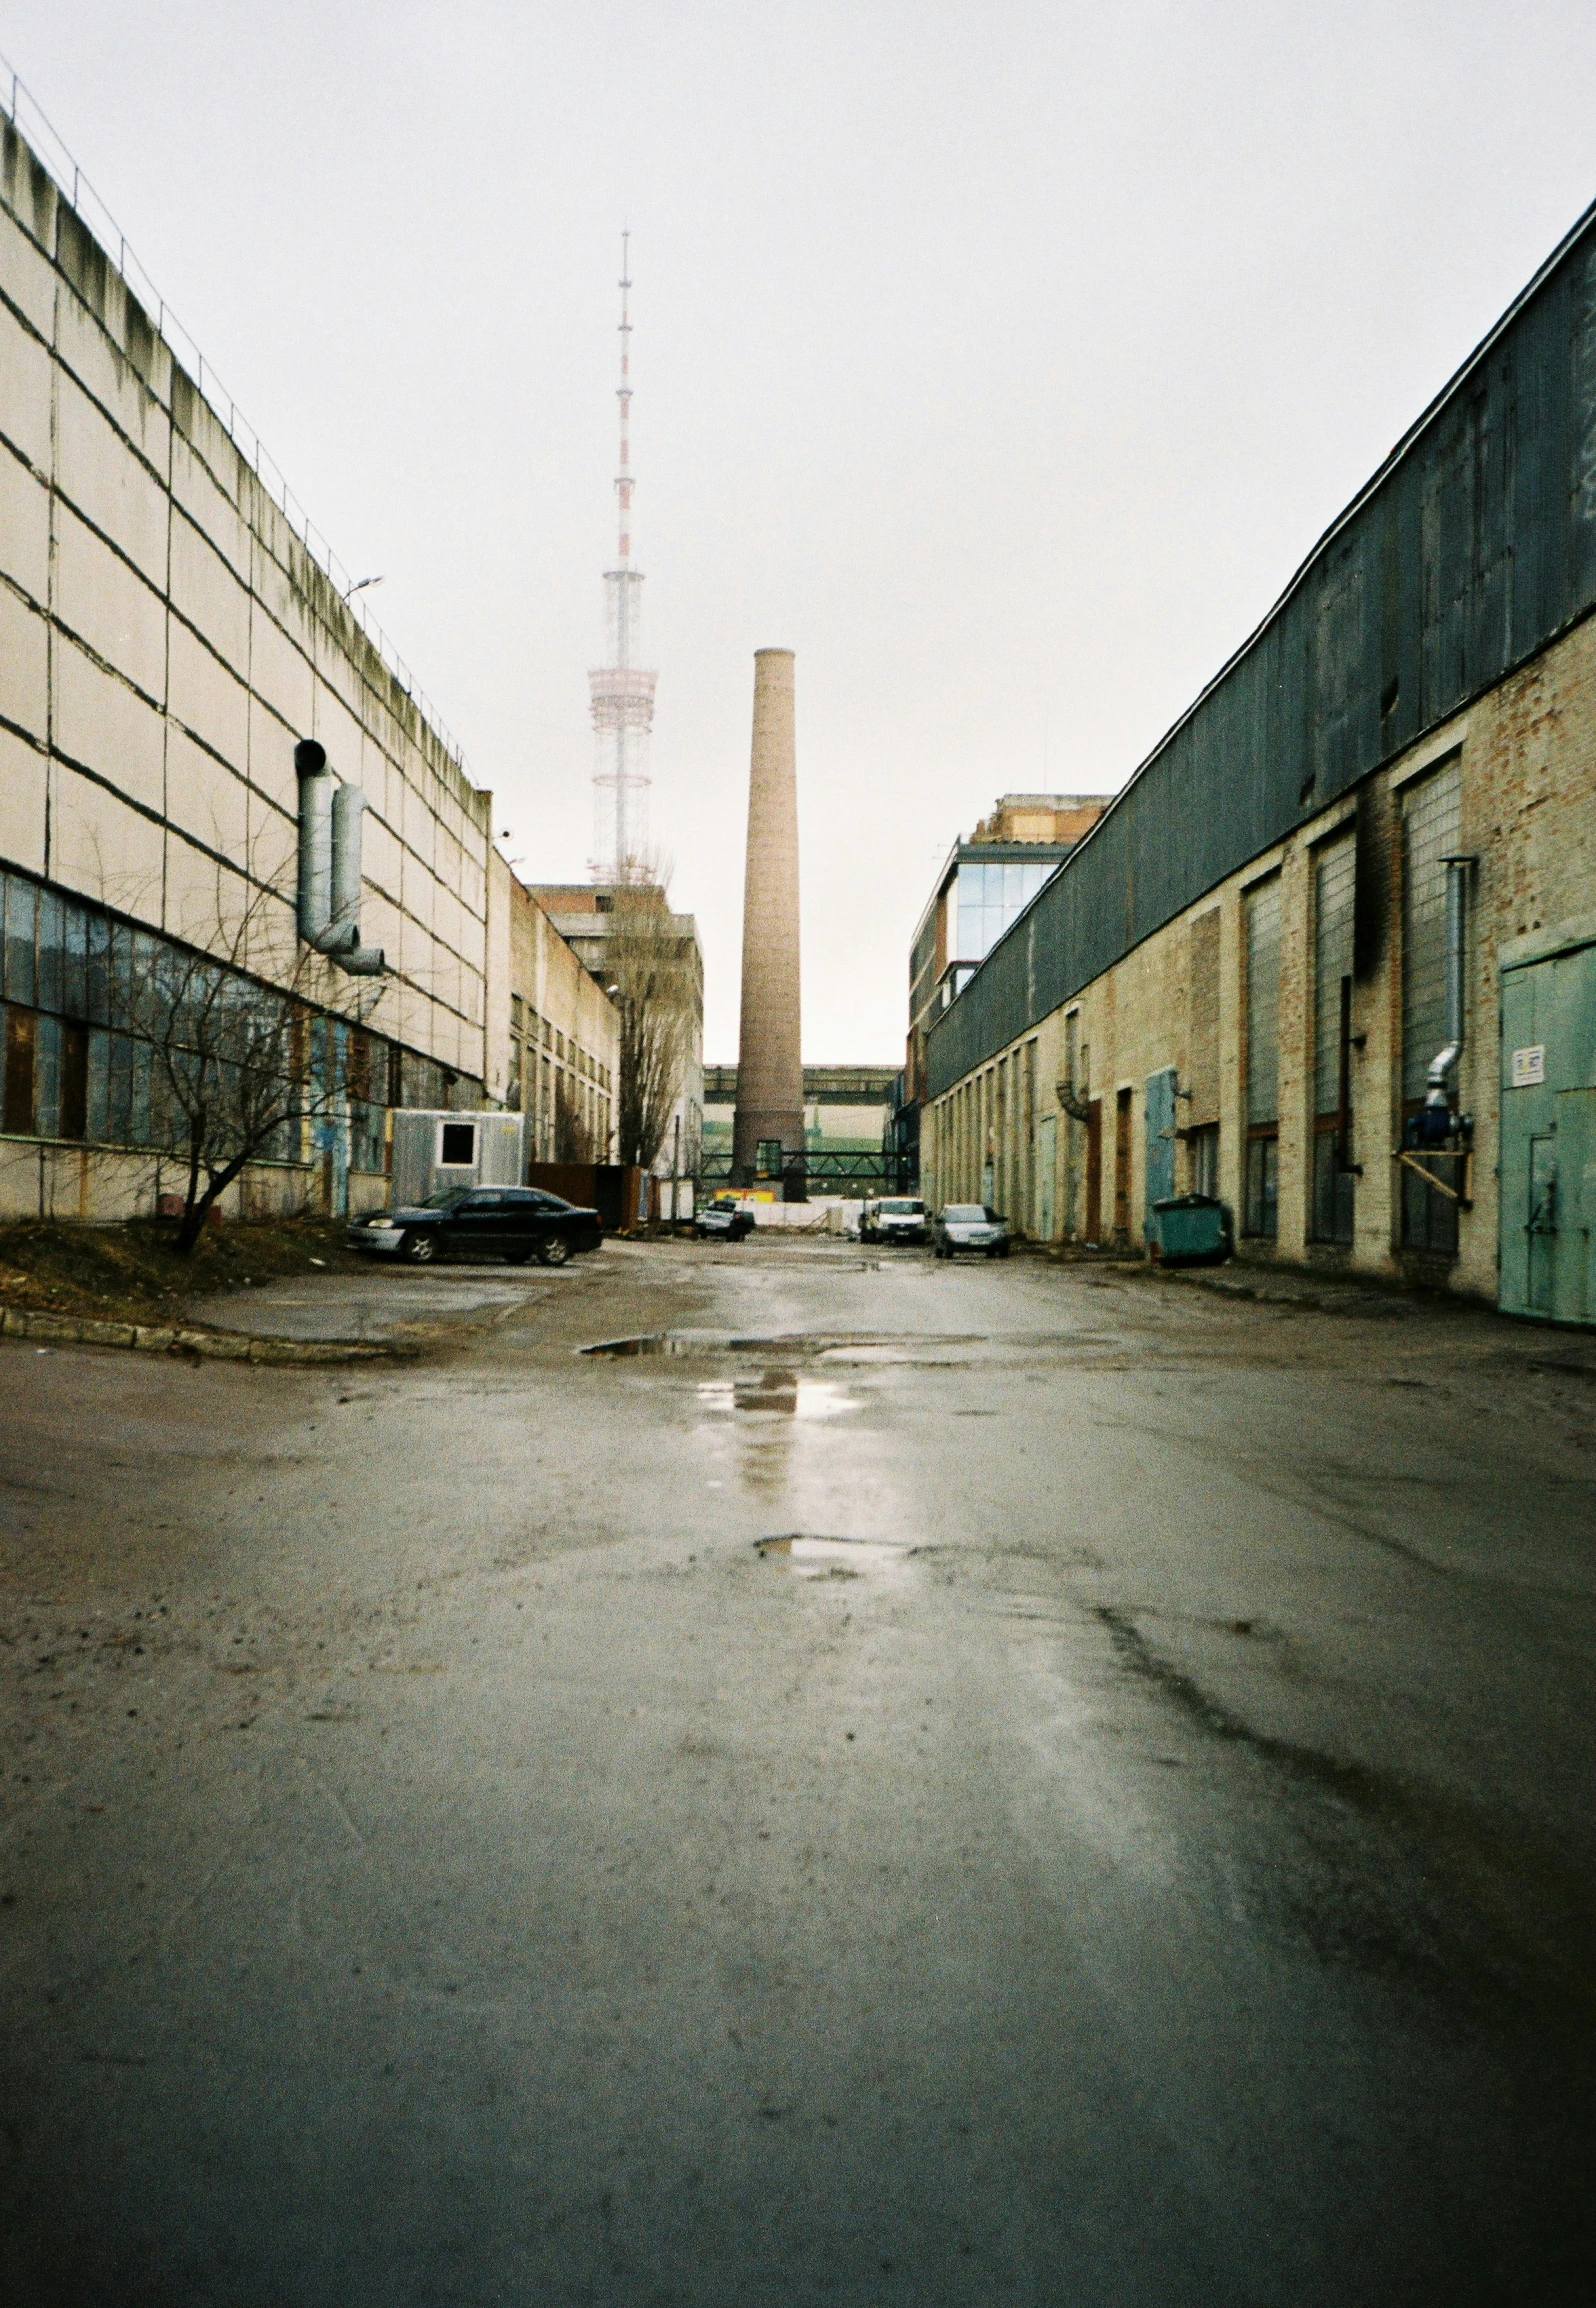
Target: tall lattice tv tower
(622, 693)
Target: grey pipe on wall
(329, 864)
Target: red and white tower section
(622, 693)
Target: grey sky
(1001, 360)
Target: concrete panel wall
(164, 639)
(554, 1025)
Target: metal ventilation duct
(329, 864)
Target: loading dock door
(1548, 1165)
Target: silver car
(971, 1226)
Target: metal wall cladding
(1471, 549)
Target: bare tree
(651, 967)
(244, 1047)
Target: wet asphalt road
(1135, 1844)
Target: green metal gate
(1548, 1174)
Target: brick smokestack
(770, 1076)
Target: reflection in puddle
(816, 1558)
(656, 1342)
(767, 1408)
(782, 1392)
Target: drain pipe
(329, 864)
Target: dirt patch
(133, 1273)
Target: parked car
(516, 1223)
(725, 1218)
(896, 1221)
(971, 1226)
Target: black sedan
(511, 1222)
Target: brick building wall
(1524, 758)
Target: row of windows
(96, 1085)
(540, 1033)
(87, 1003)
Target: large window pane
(972, 903)
(97, 1100)
(52, 959)
(47, 1078)
(1431, 830)
(1263, 1003)
(74, 1113)
(97, 1006)
(1334, 1184)
(21, 1045)
(1334, 1190)
(141, 1098)
(1261, 1199)
(21, 981)
(74, 960)
(119, 1092)
(1332, 961)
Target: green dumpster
(1192, 1230)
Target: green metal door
(1574, 1298)
(1541, 1225)
(1548, 1160)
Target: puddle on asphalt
(782, 1392)
(865, 1346)
(811, 1557)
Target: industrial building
(584, 915)
(1332, 951)
(554, 1033)
(171, 636)
(987, 880)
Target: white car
(971, 1226)
(897, 1221)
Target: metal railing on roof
(28, 117)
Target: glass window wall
(991, 897)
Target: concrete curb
(214, 1345)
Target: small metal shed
(434, 1150)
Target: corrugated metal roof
(1471, 548)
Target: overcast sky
(1001, 360)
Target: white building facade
(167, 635)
